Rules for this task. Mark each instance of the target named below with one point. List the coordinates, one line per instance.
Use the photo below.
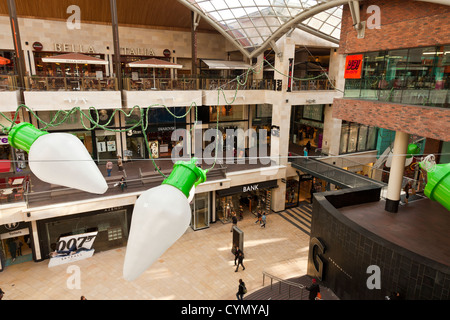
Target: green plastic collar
(185, 175)
(23, 134)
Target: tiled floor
(199, 266)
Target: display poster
(73, 248)
(154, 149)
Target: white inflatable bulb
(161, 216)
(58, 158)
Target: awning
(76, 58)
(226, 65)
(4, 61)
(154, 63)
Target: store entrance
(245, 204)
(16, 249)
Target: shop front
(298, 189)
(111, 226)
(11, 159)
(307, 123)
(15, 244)
(244, 200)
(161, 126)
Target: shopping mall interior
(142, 142)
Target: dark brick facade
(350, 249)
(404, 24)
(427, 122)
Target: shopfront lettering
(69, 47)
(250, 188)
(137, 51)
(3, 140)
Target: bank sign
(353, 66)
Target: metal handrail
(280, 281)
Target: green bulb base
(22, 135)
(185, 175)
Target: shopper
(234, 219)
(308, 146)
(406, 189)
(12, 246)
(19, 245)
(119, 163)
(236, 254)
(305, 152)
(240, 261)
(259, 217)
(263, 220)
(109, 167)
(313, 289)
(1, 293)
(241, 290)
(122, 183)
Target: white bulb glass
(161, 216)
(62, 159)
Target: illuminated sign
(353, 66)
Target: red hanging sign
(353, 66)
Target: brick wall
(423, 121)
(404, 24)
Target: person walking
(234, 219)
(119, 163)
(12, 246)
(19, 245)
(1, 293)
(313, 289)
(263, 220)
(240, 261)
(305, 152)
(241, 290)
(236, 254)
(109, 167)
(259, 217)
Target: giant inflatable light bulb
(161, 216)
(58, 158)
(438, 182)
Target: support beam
(19, 55)
(115, 31)
(194, 23)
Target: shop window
(357, 138)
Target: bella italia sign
(70, 47)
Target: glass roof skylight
(252, 23)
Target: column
(115, 29)
(396, 173)
(19, 58)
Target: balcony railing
(8, 83)
(424, 93)
(38, 83)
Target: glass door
(200, 211)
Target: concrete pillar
(278, 197)
(396, 173)
(279, 140)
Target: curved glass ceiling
(253, 23)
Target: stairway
(281, 290)
(299, 216)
